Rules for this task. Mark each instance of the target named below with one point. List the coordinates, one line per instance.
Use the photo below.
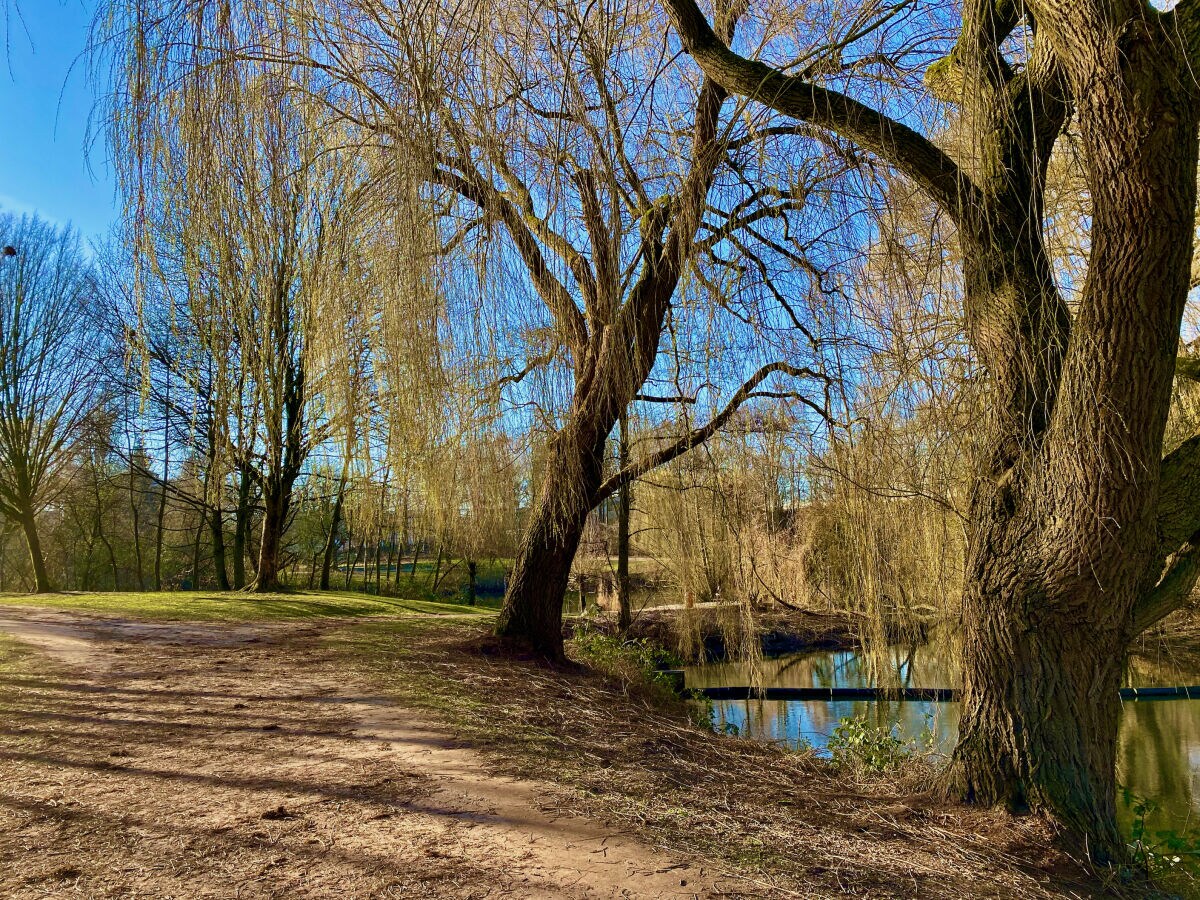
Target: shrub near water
(635, 661)
(857, 743)
(639, 663)
(1171, 858)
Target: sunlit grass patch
(235, 606)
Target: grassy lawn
(234, 606)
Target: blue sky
(45, 104)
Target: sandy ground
(188, 761)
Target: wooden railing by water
(936, 695)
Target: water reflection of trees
(908, 666)
(1158, 744)
(1158, 757)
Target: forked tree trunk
(1065, 523)
(276, 500)
(1051, 593)
(37, 559)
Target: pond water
(1158, 754)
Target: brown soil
(786, 823)
(219, 761)
(343, 759)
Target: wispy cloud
(9, 203)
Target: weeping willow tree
(238, 195)
(587, 211)
(571, 195)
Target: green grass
(234, 606)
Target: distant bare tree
(46, 371)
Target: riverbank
(376, 757)
(713, 631)
(785, 822)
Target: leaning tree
(1080, 534)
(559, 176)
(570, 182)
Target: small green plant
(927, 740)
(858, 743)
(703, 712)
(1162, 853)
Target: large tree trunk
(276, 500)
(1064, 538)
(533, 604)
(41, 579)
(1040, 709)
(1064, 541)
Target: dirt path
(150, 760)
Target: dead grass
(776, 818)
(190, 768)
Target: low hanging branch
(698, 436)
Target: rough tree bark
(624, 502)
(533, 603)
(275, 503)
(1070, 550)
